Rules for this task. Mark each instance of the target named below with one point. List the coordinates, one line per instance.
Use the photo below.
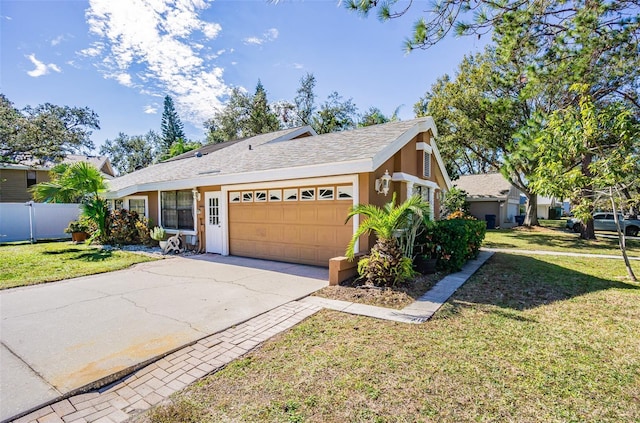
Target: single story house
(490, 194)
(17, 178)
(285, 195)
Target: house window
(345, 193)
(177, 209)
(308, 194)
(261, 196)
(31, 178)
(138, 205)
(427, 165)
(118, 204)
(275, 195)
(234, 197)
(325, 193)
(290, 194)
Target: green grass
(552, 236)
(551, 339)
(28, 264)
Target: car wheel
(632, 231)
(576, 228)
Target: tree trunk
(621, 238)
(587, 229)
(531, 211)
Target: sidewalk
(155, 382)
(555, 253)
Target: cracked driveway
(59, 337)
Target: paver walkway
(149, 385)
(555, 253)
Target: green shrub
(144, 234)
(385, 265)
(452, 242)
(122, 228)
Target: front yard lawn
(28, 264)
(553, 237)
(526, 339)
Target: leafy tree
(286, 114)
(305, 100)
(386, 264)
(70, 184)
(171, 126)
(180, 147)
(230, 122)
(261, 119)
(129, 153)
(46, 132)
(334, 115)
(485, 119)
(585, 149)
(455, 200)
(373, 116)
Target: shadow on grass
(63, 251)
(519, 282)
(97, 255)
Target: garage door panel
(309, 232)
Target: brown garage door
(298, 225)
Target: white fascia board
(401, 141)
(443, 169)
(424, 147)
(405, 177)
(303, 172)
(291, 135)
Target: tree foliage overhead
(46, 132)
(130, 153)
(171, 126)
(305, 100)
(335, 115)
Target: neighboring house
(491, 194)
(16, 179)
(550, 208)
(285, 195)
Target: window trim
(194, 207)
(125, 203)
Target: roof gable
(267, 157)
(491, 185)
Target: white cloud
(270, 34)
(41, 68)
(94, 51)
(150, 110)
(124, 79)
(298, 66)
(160, 46)
(57, 40)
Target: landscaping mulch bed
(398, 297)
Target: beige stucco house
(16, 179)
(491, 194)
(285, 195)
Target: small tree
(455, 200)
(386, 264)
(172, 127)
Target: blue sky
(121, 57)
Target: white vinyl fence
(34, 221)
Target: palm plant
(386, 264)
(79, 182)
(70, 184)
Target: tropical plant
(80, 225)
(158, 233)
(386, 264)
(70, 184)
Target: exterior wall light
(196, 194)
(383, 183)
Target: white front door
(214, 229)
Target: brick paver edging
(148, 386)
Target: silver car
(606, 222)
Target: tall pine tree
(172, 127)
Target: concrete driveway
(60, 337)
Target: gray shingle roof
(484, 185)
(267, 153)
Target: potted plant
(78, 230)
(159, 234)
(427, 251)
